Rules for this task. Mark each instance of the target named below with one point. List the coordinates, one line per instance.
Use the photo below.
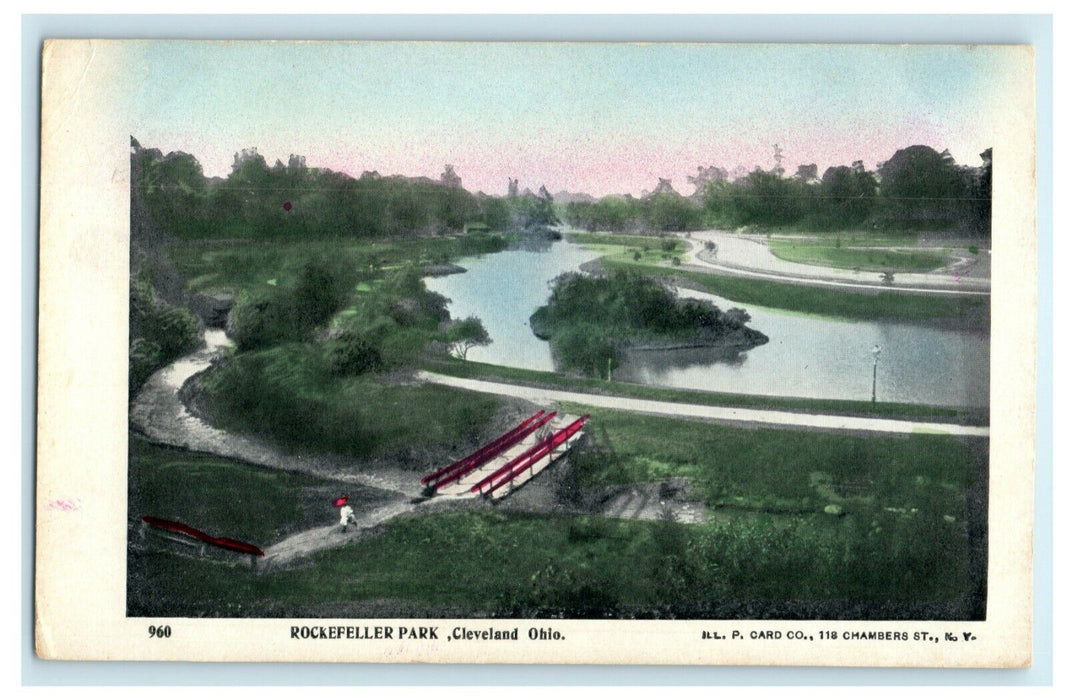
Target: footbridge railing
(515, 467)
(460, 468)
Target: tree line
(292, 200)
(917, 189)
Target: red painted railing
(527, 459)
(501, 445)
(223, 542)
(481, 451)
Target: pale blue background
(1035, 30)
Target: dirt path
(749, 256)
(303, 544)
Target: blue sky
(599, 118)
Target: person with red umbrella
(348, 516)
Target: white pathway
(749, 256)
(722, 414)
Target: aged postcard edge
(82, 428)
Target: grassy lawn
(477, 370)
(830, 254)
(650, 249)
(516, 565)
(769, 551)
(224, 497)
(848, 237)
(286, 394)
(233, 266)
(781, 470)
(965, 311)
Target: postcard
(536, 353)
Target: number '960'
(161, 632)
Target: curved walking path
(719, 414)
(159, 413)
(748, 256)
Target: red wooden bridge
(502, 465)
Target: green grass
(876, 259)
(287, 395)
(775, 470)
(224, 497)
(962, 311)
(649, 249)
(529, 377)
(847, 236)
(516, 565)
(247, 265)
(769, 550)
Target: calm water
(807, 356)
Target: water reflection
(807, 356)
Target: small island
(589, 318)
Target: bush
(275, 393)
(145, 358)
(281, 315)
(352, 354)
(159, 332)
(584, 349)
(262, 321)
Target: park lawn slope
(781, 470)
(247, 265)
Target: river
(807, 356)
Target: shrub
(159, 332)
(585, 349)
(278, 393)
(282, 315)
(352, 354)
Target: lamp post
(874, 376)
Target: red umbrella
(338, 502)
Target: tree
(465, 334)
(353, 353)
(807, 173)
(846, 196)
(922, 188)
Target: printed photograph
(559, 330)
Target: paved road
(749, 256)
(718, 414)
